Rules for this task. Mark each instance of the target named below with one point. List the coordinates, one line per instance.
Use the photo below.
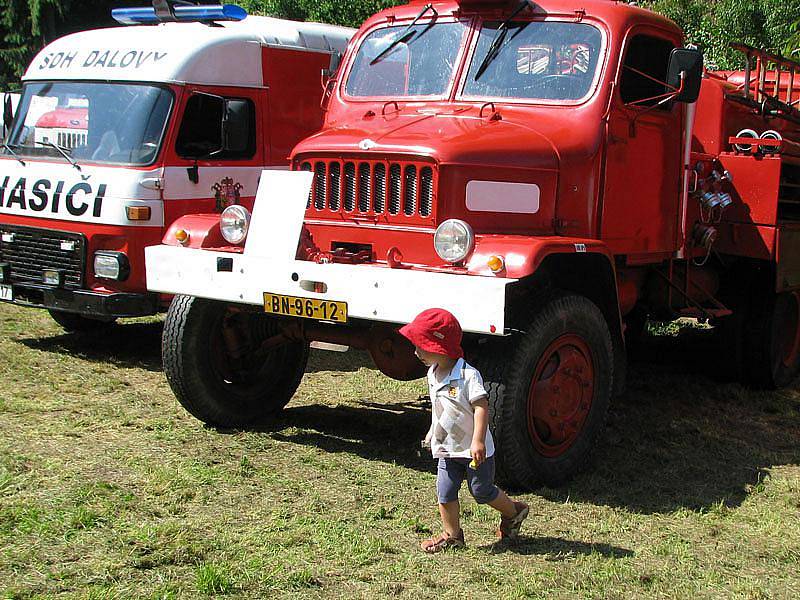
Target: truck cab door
(216, 154)
(641, 195)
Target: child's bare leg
(450, 513)
(504, 504)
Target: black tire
(524, 459)
(771, 341)
(75, 323)
(216, 388)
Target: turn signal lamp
(182, 13)
(496, 264)
(182, 236)
(138, 213)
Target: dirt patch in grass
(108, 489)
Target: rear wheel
(217, 365)
(549, 392)
(772, 341)
(75, 323)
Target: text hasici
(77, 199)
(109, 59)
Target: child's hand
(478, 451)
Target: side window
(216, 127)
(644, 72)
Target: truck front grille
(395, 190)
(29, 251)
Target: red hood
(450, 136)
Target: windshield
(420, 65)
(92, 122)
(536, 60)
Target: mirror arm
(662, 102)
(193, 173)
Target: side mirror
(236, 126)
(685, 64)
(8, 113)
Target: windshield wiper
(407, 33)
(63, 153)
(12, 153)
(499, 38)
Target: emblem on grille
(367, 144)
(227, 193)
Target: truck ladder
(765, 96)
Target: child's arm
(478, 448)
(426, 443)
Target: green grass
(108, 489)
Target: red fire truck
(120, 131)
(554, 173)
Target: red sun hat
(435, 330)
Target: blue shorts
(453, 471)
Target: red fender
(203, 232)
(523, 255)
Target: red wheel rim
(560, 395)
(787, 320)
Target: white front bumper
(371, 292)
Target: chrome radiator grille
(374, 188)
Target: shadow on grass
(556, 549)
(386, 432)
(684, 435)
(126, 344)
(676, 440)
(138, 345)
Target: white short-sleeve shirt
(453, 414)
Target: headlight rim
(469, 232)
(245, 215)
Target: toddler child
(459, 435)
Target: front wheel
(219, 368)
(550, 390)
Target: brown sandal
(442, 542)
(510, 526)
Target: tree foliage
(339, 12)
(768, 24)
(27, 25)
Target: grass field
(108, 489)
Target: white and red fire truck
(120, 131)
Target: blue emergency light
(182, 13)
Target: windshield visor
(536, 60)
(420, 65)
(103, 123)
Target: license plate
(307, 308)
(6, 293)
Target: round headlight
(454, 240)
(234, 224)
